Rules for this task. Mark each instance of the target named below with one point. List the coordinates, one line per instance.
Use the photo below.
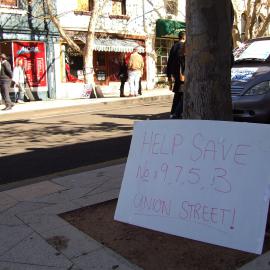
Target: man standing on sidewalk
(176, 68)
(5, 81)
(135, 70)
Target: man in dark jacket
(176, 68)
(5, 81)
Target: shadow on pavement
(40, 162)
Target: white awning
(113, 44)
(116, 45)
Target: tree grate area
(152, 250)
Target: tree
(208, 60)
(256, 18)
(87, 51)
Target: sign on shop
(34, 59)
(204, 180)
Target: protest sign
(204, 180)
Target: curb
(67, 105)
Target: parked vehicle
(250, 86)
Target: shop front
(33, 55)
(107, 56)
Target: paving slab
(104, 259)
(65, 196)
(24, 207)
(6, 202)
(260, 263)
(113, 172)
(54, 209)
(10, 236)
(33, 250)
(23, 266)
(109, 185)
(42, 222)
(84, 179)
(96, 198)
(70, 241)
(9, 220)
(30, 192)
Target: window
(118, 7)
(73, 65)
(172, 7)
(84, 5)
(9, 3)
(163, 47)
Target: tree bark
(253, 17)
(236, 33)
(89, 46)
(264, 26)
(208, 60)
(90, 37)
(248, 19)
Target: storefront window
(32, 54)
(9, 3)
(163, 47)
(100, 67)
(73, 65)
(118, 7)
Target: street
(38, 143)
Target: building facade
(162, 23)
(26, 33)
(122, 25)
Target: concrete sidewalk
(30, 224)
(154, 94)
(29, 221)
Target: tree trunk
(89, 46)
(208, 60)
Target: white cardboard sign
(204, 180)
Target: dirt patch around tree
(153, 250)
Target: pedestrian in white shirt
(19, 80)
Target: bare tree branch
(264, 26)
(253, 10)
(62, 32)
(247, 18)
(253, 17)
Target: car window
(255, 50)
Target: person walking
(135, 71)
(176, 69)
(123, 75)
(5, 81)
(19, 80)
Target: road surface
(38, 143)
